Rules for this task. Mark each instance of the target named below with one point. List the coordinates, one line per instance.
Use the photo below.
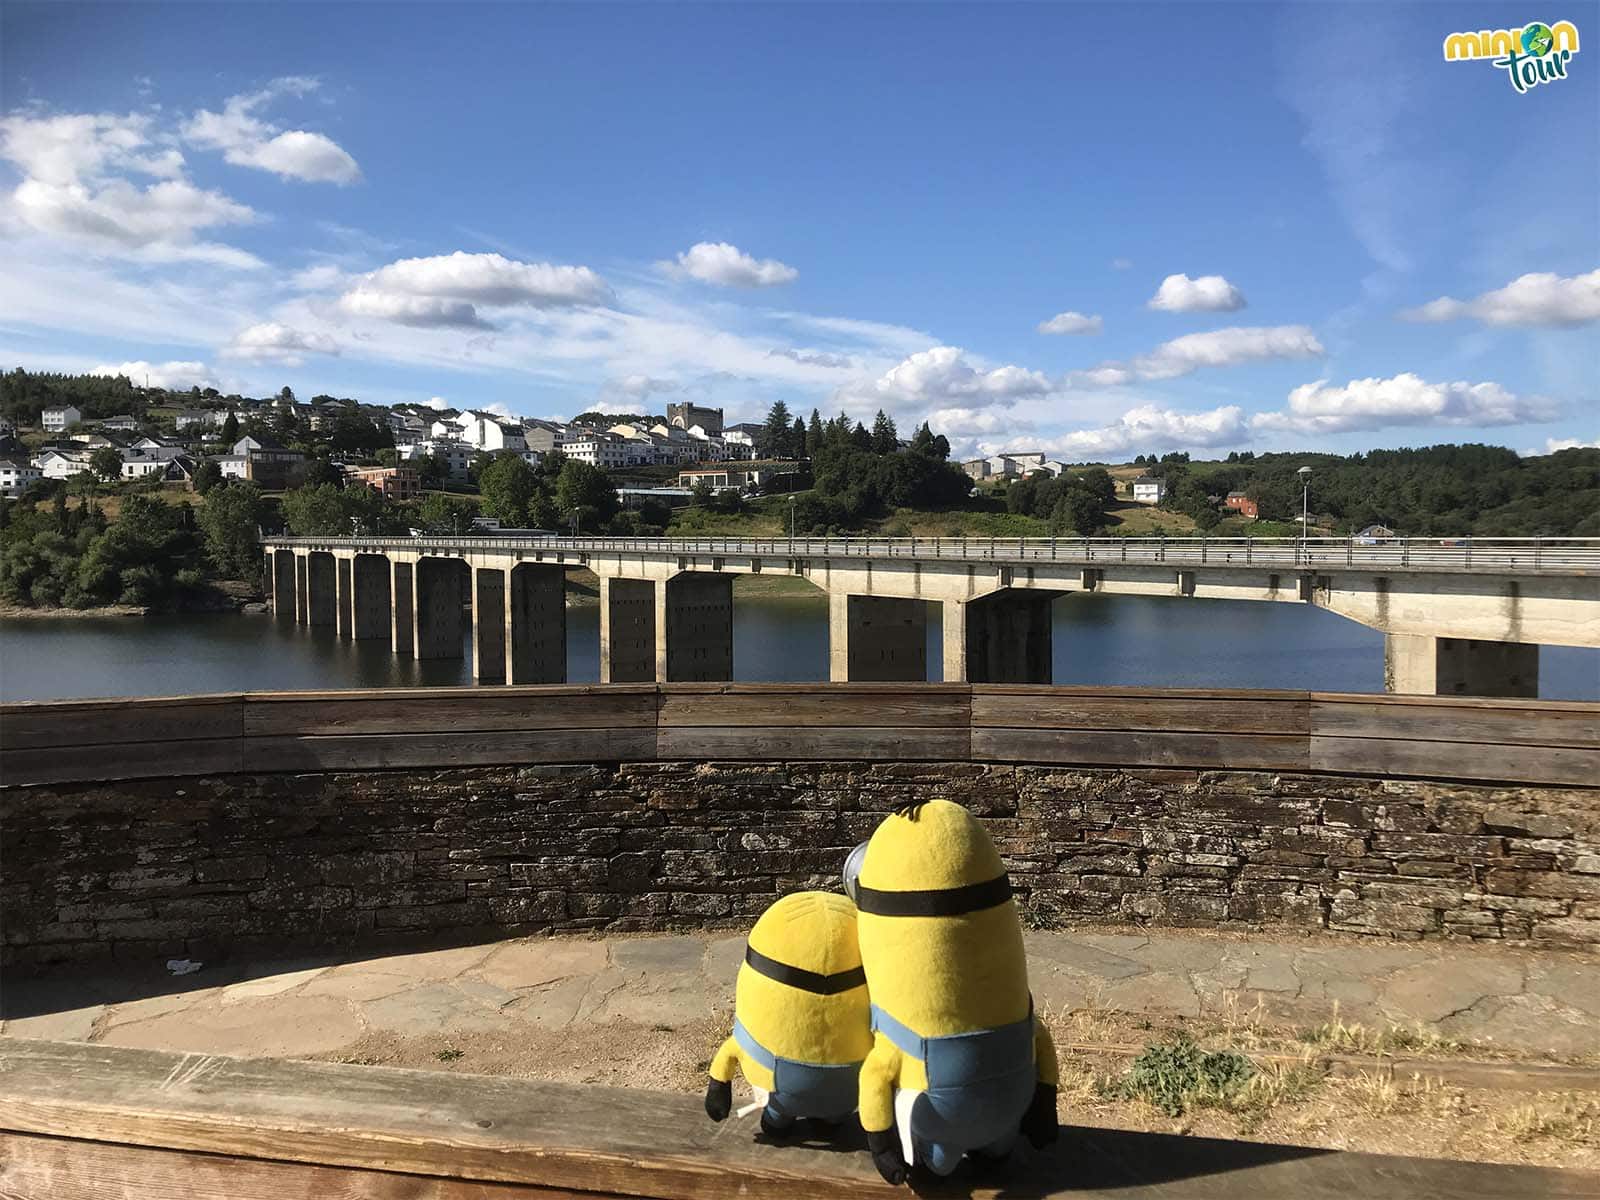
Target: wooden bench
(87, 1122)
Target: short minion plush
(959, 1062)
(801, 1016)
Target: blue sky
(1098, 230)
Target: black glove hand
(886, 1156)
(1039, 1124)
(719, 1100)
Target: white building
(1147, 489)
(136, 464)
(233, 466)
(456, 455)
(124, 423)
(59, 464)
(55, 420)
(600, 450)
(16, 474)
(1019, 463)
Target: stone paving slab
(1508, 999)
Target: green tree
(885, 438)
(230, 519)
(106, 462)
(207, 476)
(776, 432)
(508, 485)
(585, 491)
(797, 440)
(814, 434)
(230, 430)
(315, 510)
(1077, 512)
(440, 513)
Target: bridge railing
(1536, 554)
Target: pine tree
(814, 435)
(885, 437)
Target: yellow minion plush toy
(959, 1063)
(801, 1024)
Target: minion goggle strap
(935, 902)
(806, 981)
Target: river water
(1142, 641)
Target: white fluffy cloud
(276, 342)
(941, 377)
(1555, 445)
(247, 141)
(1535, 299)
(1150, 427)
(75, 186)
(1070, 323)
(1218, 348)
(1403, 400)
(1208, 293)
(171, 375)
(446, 290)
(729, 266)
(68, 147)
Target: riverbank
(15, 612)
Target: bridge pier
(536, 624)
(877, 639)
(1416, 664)
(370, 598)
(345, 595)
(403, 623)
(302, 589)
(694, 635)
(283, 577)
(437, 606)
(1008, 637)
(320, 588)
(489, 619)
(627, 630)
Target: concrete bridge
(1461, 616)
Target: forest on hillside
(1484, 491)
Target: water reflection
(1132, 640)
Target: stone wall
(249, 863)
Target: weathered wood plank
(437, 1126)
(1115, 748)
(1490, 763)
(1174, 714)
(855, 743)
(46, 1168)
(422, 710)
(385, 751)
(837, 705)
(126, 760)
(1374, 718)
(38, 726)
(1135, 692)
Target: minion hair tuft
(909, 809)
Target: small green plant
(1178, 1075)
(449, 1054)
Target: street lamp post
(1305, 507)
(791, 516)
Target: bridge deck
(1522, 556)
(79, 1121)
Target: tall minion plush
(959, 1063)
(801, 1023)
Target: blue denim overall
(979, 1086)
(824, 1091)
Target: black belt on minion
(806, 981)
(935, 902)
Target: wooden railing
(82, 1122)
(1504, 741)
